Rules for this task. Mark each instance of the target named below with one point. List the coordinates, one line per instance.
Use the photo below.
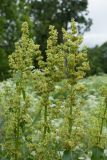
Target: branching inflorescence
(56, 127)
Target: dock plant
(39, 125)
(17, 118)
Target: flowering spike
(21, 58)
(73, 26)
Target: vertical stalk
(70, 106)
(102, 121)
(17, 125)
(70, 120)
(72, 96)
(45, 119)
(45, 115)
(71, 112)
(17, 133)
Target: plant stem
(70, 120)
(17, 134)
(17, 125)
(102, 121)
(45, 120)
(45, 114)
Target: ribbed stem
(102, 121)
(45, 120)
(45, 115)
(17, 134)
(70, 120)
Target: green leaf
(97, 153)
(68, 155)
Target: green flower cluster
(59, 128)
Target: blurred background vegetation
(40, 14)
(98, 59)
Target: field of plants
(55, 111)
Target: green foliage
(97, 58)
(35, 124)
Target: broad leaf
(97, 153)
(68, 155)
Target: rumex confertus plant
(57, 126)
(76, 65)
(64, 61)
(18, 102)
